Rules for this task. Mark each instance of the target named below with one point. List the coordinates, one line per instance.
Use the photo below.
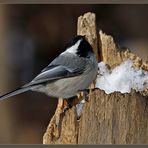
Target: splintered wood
(87, 27)
(114, 56)
(106, 119)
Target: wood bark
(105, 119)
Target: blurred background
(31, 36)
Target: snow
(79, 108)
(122, 79)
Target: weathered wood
(113, 56)
(87, 26)
(106, 119)
(114, 119)
(55, 133)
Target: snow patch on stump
(122, 79)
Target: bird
(70, 72)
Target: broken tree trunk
(106, 119)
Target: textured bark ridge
(87, 26)
(106, 119)
(113, 56)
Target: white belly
(67, 87)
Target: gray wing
(63, 66)
(69, 61)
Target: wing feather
(62, 67)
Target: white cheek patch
(73, 49)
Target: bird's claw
(84, 94)
(69, 105)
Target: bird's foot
(85, 96)
(68, 106)
(84, 93)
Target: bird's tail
(16, 92)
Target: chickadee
(72, 71)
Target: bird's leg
(69, 104)
(79, 106)
(82, 93)
(85, 93)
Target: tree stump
(106, 118)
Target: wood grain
(106, 119)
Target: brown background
(33, 35)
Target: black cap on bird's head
(80, 46)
